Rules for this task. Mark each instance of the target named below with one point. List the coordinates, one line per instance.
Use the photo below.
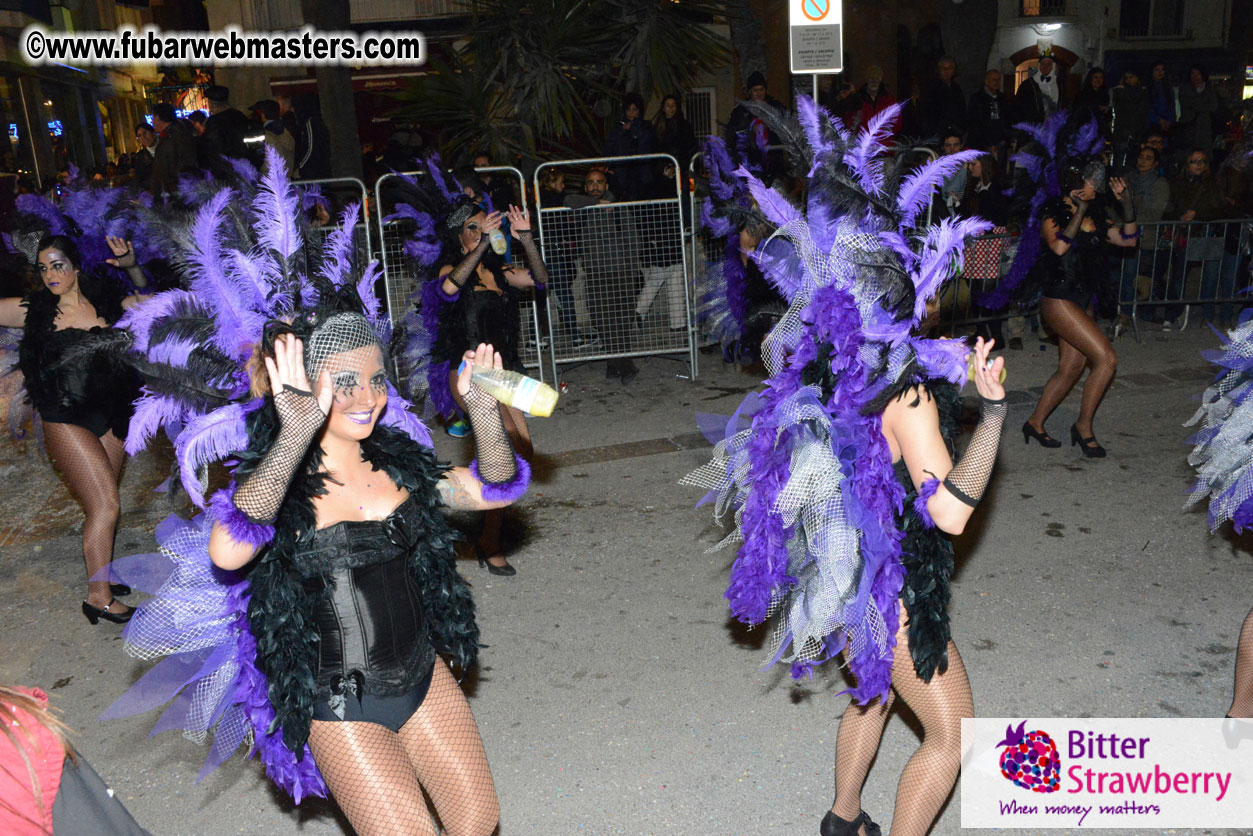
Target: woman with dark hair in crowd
(985, 191)
(674, 134)
(1093, 99)
(85, 403)
(632, 136)
(1195, 196)
(1073, 266)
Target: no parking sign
(816, 36)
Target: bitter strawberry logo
(1030, 759)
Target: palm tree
(539, 80)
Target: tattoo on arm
(453, 493)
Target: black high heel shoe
(505, 571)
(1046, 440)
(94, 614)
(119, 590)
(1088, 445)
(833, 825)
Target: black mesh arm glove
(969, 477)
(462, 272)
(495, 462)
(539, 272)
(300, 416)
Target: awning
(364, 81)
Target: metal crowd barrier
(619, 282)
(401, 282)
(338, 192)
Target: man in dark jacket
(141, 160)
(989, 118)
(942, 106)
(632, 136)
(224, 132)
(744, 122)
(176, 149)
(1040, 95)
(313, 138)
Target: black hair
(1157, 156)
(1201, 70)
(633, 99)
(65, 245)
(163, 111)
(197, 116)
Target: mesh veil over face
(335, 345)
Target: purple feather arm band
(237, 524)
(928, 489)
(1133, 236)
(510, 491)
(1062, 237)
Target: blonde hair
(12, 701)
(258, 375)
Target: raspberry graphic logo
(1030, 759)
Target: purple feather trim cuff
(928, 489)
(446, 297)
(1133, 236)
(1067, 241)
(510, 491)
(242, 529)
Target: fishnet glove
(969, 477)
(495, 460)
(539, 272)
(462, 272)
(300, 418)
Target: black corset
(373, 636)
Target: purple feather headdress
(810, 481)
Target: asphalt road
(617, 697)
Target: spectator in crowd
(313, 138)
(942, 107)
(197, 119)
(858, 107)
(756, 134)
(984, 197)
(661, 257)
(224, 132)
(1130, 103)
(1150, 192)
(989, 117)
(984, 193)
(1163, 101)
(1158, 141)
(1198, 105)
(143, 159)
(1040, 94)
(953, 189)
(1194, 197)
(609, 253)
(631, 137)
(497, 188)
(1093, 99)
(176, 149)
(276, 134)
(674, 132)
(559, 254)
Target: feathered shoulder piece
(1223, 456)
(1057, 145)
(247, 263)
(809, 475)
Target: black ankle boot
(833, 825)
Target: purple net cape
(207, 677)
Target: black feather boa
(927, 554)
(280, 612)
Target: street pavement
(615, 694)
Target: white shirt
(1048, 88)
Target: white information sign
(815, 30)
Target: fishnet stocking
(932, 770)
(1242, 703)
(377, 776)
(90, 466)
(1080, 343)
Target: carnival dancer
(335, 510)
(83, 397)
(472, 295)
(843, 483)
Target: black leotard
(1077, 275)
(480, 315)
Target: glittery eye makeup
(379, 381)
(345, 383)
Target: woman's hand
(123, 252)
(519, 220)
(1118, 188)
(1081, 205)
(484, 356)
(988, 374)
(287, 369)
(491, 222)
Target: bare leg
(1242, 703)
(90, 467)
